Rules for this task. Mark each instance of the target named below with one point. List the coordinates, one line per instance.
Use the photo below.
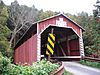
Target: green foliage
(89, 50)
(4, 31)
(42, 15)
(90, 63)
(44, 67)
(67, 73)
(91, 36)
(96, 12)
(20, 19)
(40, 68)
(4, 62)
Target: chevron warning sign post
(50, 44)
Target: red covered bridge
(68, 43)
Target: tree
(20, 18)
(91, 35)
(96, 12)
(96, 27)
(42, 15)
(4, 31)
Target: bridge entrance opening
(66, 42)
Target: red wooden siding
(74, 47)
(70, 24)
(26, 49)
(27, 52)
(44, 24)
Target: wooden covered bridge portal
(68, 40)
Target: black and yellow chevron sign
(50, 44)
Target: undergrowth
(39, 68)
(90, 63)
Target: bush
(39, 68)
(44, 67)
(5, 65)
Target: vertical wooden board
(74, 47)
(23, 53)
(27, 51)
(30, 50)
(19, 55)
(44, 24)
(34, 49)
(16, 56)
(74, 44)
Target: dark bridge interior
(66, 43)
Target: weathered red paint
(74, 47)
(27, 52)
(52, 21)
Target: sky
(67, 6)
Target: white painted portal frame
(39, 40)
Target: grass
(90, 63)
(67, 73)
